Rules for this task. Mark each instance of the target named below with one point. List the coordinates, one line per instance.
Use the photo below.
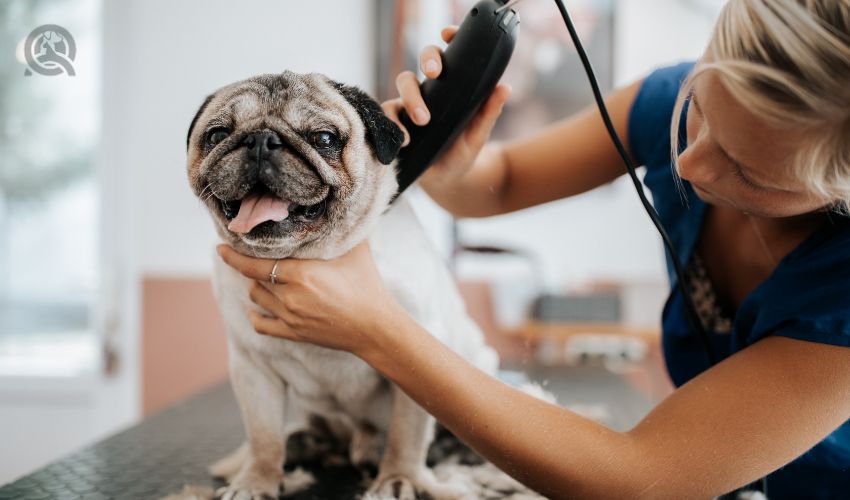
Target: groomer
(764, 165)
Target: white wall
(652, 33)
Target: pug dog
(300, 166)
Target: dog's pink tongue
(256, 209)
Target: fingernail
(431, 66)
(421, 115)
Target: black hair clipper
(472, 64)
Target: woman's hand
(458, 159)
(339, 303)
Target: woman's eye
(217, 135)
(739, 174)
(323, 140)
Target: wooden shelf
(537, 331)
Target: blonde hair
(789, 61)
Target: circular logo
(50, 50)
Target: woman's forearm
(556, 452)
(479, 192)
(564, 159)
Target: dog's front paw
(420, 486)
(249, 486)
(227, 467)
(397, 487)
(230, 492)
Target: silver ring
(273, 274)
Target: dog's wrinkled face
(292, 165)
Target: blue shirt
(807, 297)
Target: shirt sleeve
(810, 300)
(650, 116)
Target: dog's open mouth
(261, 205)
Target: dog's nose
(265, 140)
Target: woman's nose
(695, 165)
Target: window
(49, 203)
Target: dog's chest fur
(325, 377)
(332, 381)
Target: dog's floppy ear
(383, 133)
(195, 119)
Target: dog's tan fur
(281, 385)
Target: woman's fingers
(430, 61)
(482, 125)
(270, 326)
(256, 268)
(448, 33)
(408, 89)
(264, 298)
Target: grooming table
(173, 448)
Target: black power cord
(690, 309)
(693, 319)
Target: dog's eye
(323, 140)
(217, 135)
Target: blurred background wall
(149, 333)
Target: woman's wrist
(437, 184)
(385, 346)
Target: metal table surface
(173, 448)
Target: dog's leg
(367, 444)
(228, 466)
(403, 473)
(261, 397)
